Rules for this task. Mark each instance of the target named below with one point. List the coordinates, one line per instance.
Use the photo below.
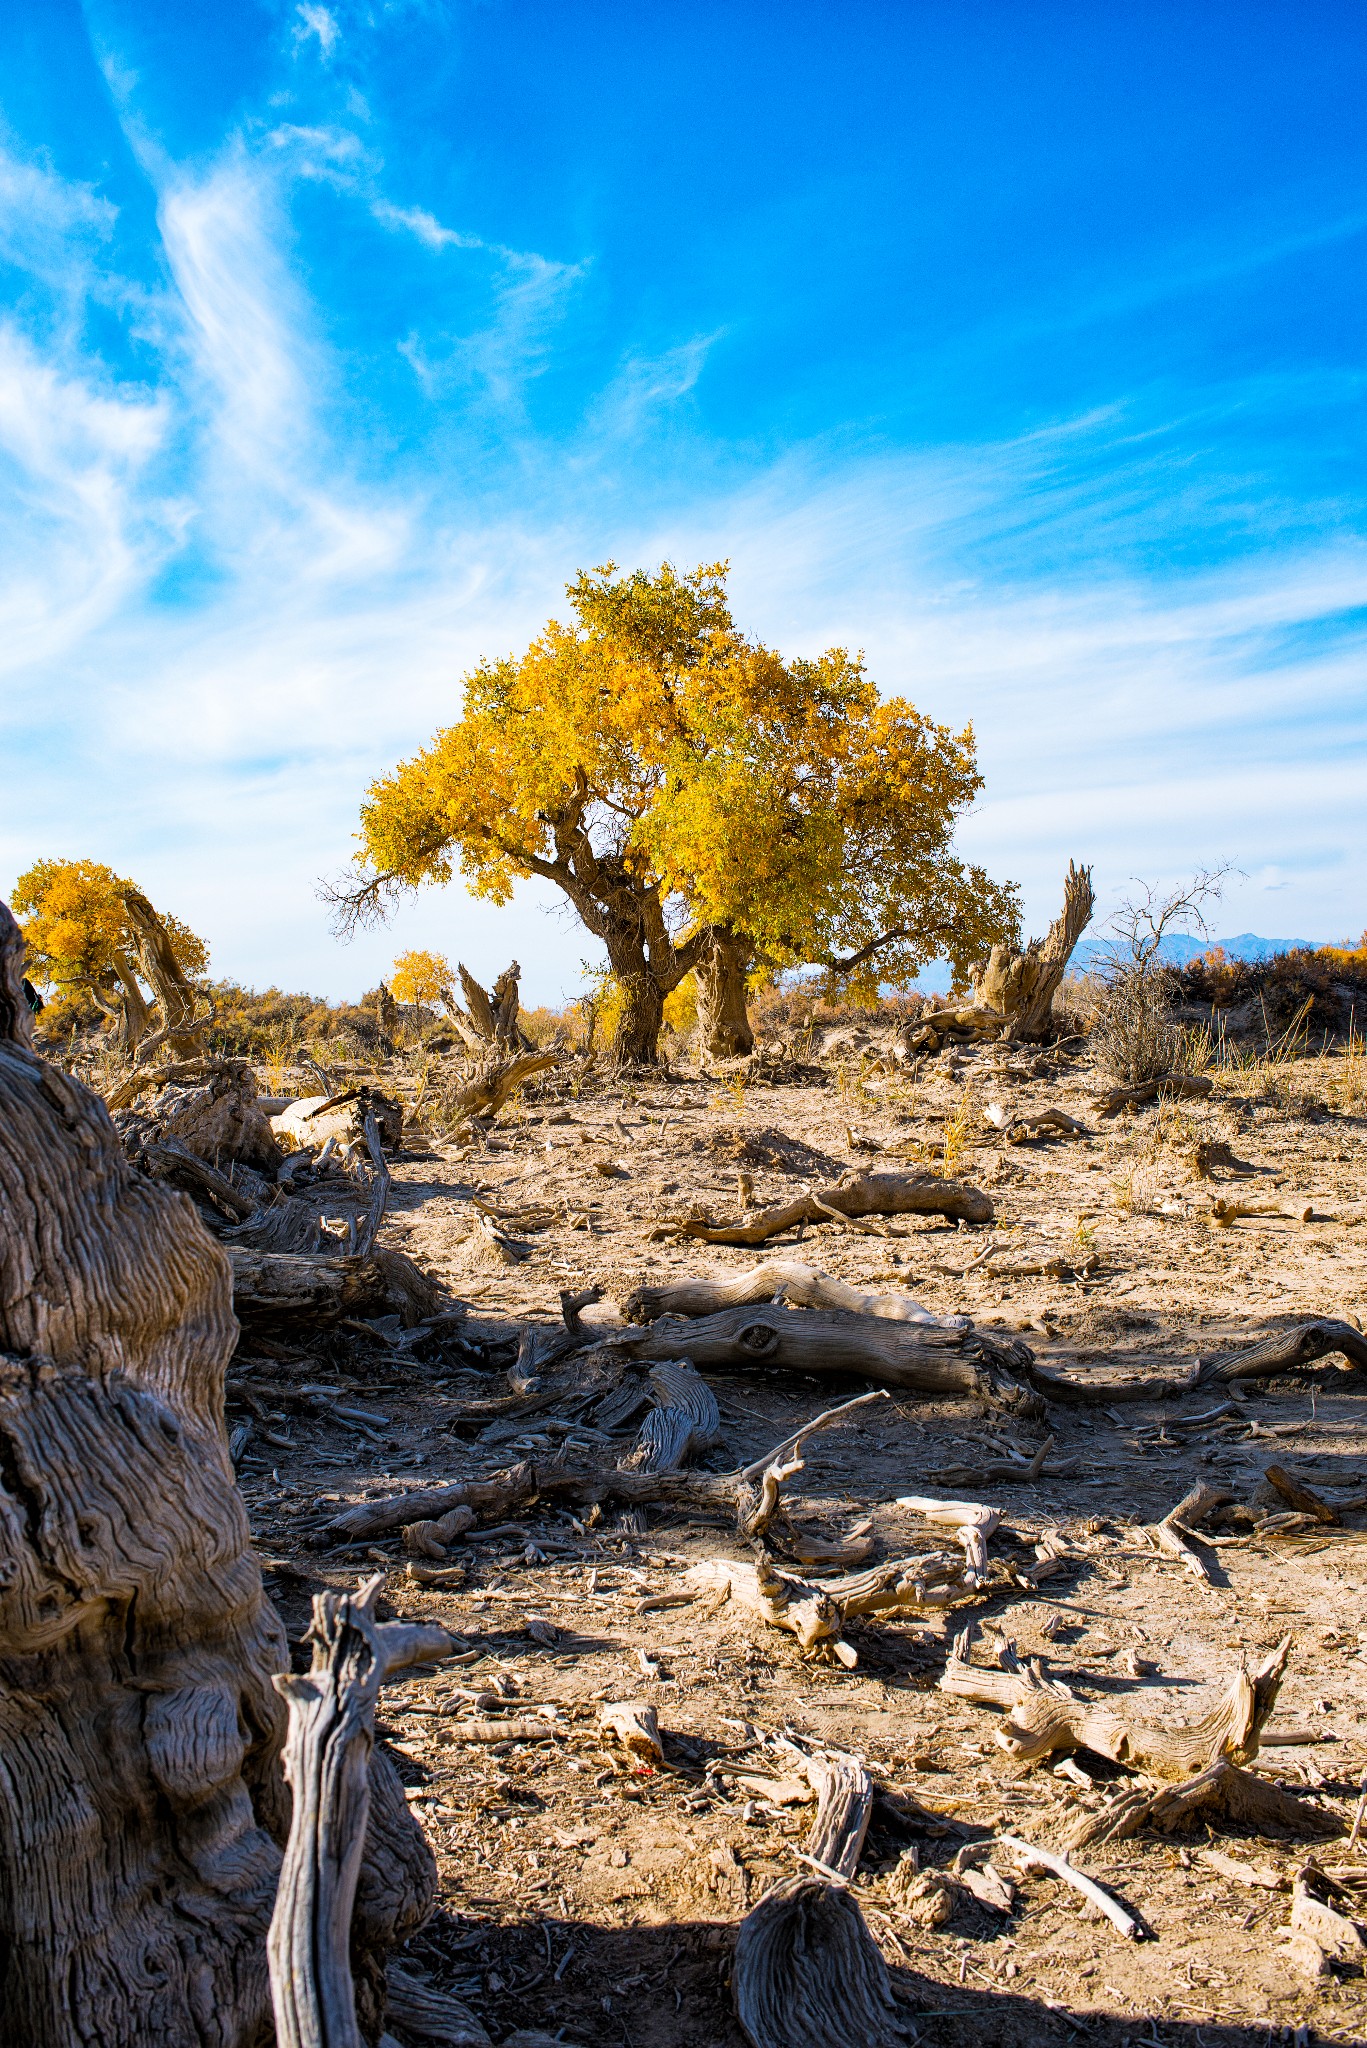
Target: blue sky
(1021, 346)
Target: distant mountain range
(1180, 948)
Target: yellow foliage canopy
(76, 929)
(420, 977)
(673, 777)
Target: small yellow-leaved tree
(702, 802)
(420, 978)
(90, 931)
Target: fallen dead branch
(927, 1359)
(1172, 1531)
(857, 1195)
(1041, 1719)
(1045, 1859)
(1195, 1087)
(777, 1280)
(972, 1525)
(1286, 1352)
(1301, 1497)
(1020, 1471)
(1291, 1351)
(1224, 1213)
(1019, 1127)
(314, 1288)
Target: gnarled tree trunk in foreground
(1021, 987)
(723, 1020)
(142, 1804)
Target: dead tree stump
(1020, 987)
(142, 1804)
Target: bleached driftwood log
(857, 1195)
(140, 1732)
(776, 1280)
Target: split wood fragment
(636, 1726)
(807, 1972)
(327, 1762)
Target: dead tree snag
(1021, 987)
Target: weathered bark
(215, 1113)
(1291, 1351)
(929, 1361)
(127, 1010)
(685, 1418)
(636, 1041)
(142, 1806)
(723, 1019)
(1020, 987)
(294, 1284)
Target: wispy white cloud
(317, 23)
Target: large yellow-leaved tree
(91, 932)
(702, 802)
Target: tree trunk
(127, 1010)
(182, 1031)
(142, 1805)
(636, 1041)
(1021, 987)
(723, 1021)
